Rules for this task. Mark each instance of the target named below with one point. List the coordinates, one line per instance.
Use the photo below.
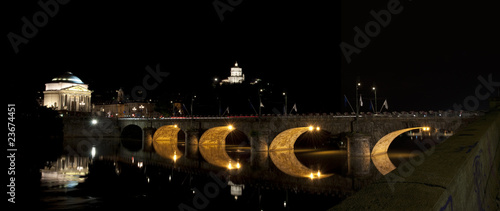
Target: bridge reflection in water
(217, 155)
(323, 176)
(287, 162)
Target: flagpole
(294, 107)
(252, 106)
(385, 104)
(349, 103)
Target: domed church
(67, 93)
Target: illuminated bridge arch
(165, 142)
(216, 135)
(167, 133)
(383, 144)
(286, 139)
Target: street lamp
(192, 101)
(260, 101)
(286, 103)
(375, 90)
(357, 105)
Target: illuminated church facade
(67, 93)
(237, 76)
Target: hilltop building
(237, 76)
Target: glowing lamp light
(92, 152)
(175, 126)
(311, 128)
(318, 128)
(93, 122)
(238, 165)
(229, 166)
(319, 174)
(230, 127)
(175, 158)
(311, 176)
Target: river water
(212, 178)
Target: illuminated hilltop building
(237, 76)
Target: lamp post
(192, 102)
(375, 90)
(141, 107)
(358, 84)
(286, 103)
(260, 101)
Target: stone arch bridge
(272, 133)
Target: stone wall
(462, 173)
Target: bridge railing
(394, 114)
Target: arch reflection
(383, 163)
(287, 162)
(216, 154)
(165, 142)
(167, 150)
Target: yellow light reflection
(217, 156)
(287, 162)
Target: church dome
(67, 77)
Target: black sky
(428, 57)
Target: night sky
(428, 56)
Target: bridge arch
(167, 133)
(165, 142)
(132, 137)
(383, 144)
(286, 139)
(216, 135)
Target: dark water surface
(191, 178)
